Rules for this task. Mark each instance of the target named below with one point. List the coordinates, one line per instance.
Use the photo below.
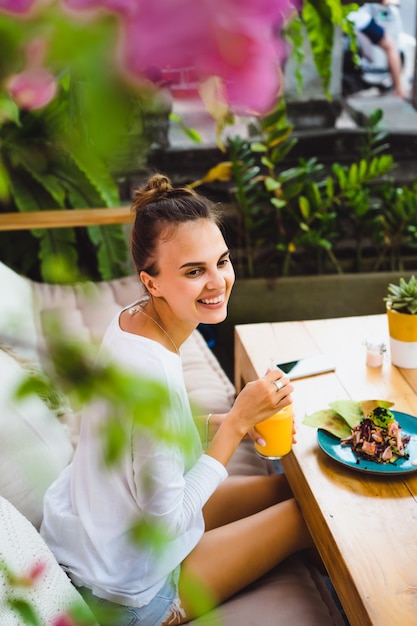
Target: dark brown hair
(161, 207)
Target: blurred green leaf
(26, 611)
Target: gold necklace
(138, 309)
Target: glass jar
(375, 353)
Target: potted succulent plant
(401, 304)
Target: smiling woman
(218, 533)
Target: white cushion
(208, 387)
(85, 309)
(17, 320)
(34, 446)
(22, 551)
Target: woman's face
(196, 275)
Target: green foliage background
(71, 153)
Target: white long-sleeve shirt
(90, 508)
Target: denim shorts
(164, 604)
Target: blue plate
(344, 454)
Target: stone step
(399, 115)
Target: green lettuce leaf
(349, 410)
(343, 415)
(328, 420)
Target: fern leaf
(49, 182)
(112, 251)
(4, 182)
(26, 193)
(56, 251)
(317, 17)
(97, 174)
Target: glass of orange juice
(277, 431)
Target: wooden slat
(65, 218)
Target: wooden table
(364, 526)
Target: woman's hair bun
(159, 183)
(156, 188)
(159, 189)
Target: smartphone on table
(307, 366)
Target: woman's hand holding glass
(262, 398)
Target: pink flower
(124, 7)
(64, 620)
(30, 577)
(37, 570)
(33, 88)
(16, 6)
(234, 40)
(20, 7)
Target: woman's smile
(212, 301)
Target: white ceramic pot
(403, 338)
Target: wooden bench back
(65, 217)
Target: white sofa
(36, 444)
